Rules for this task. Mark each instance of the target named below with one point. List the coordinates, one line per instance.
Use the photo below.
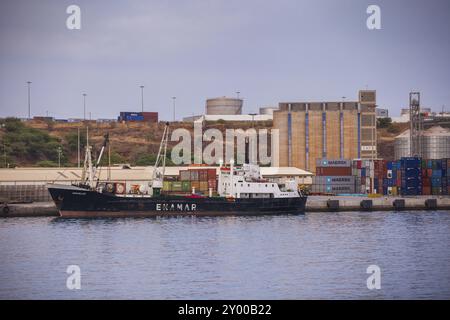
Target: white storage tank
(267, 110)
(224, 106)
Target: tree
(384, 122)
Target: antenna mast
(416, 125)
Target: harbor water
(317, 255)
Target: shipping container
(196, 185)
(185, 175)
(334, 180)
(150, 116)
(212, 174)
(333, 171)
(333, 163)
(186, 186)
(203, 185)
(177, 186)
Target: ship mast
(158, 175)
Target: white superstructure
(247, 182)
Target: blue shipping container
(436, 173)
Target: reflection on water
(318, 255)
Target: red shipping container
(202, 175)
(150, 116)
(426, 182)
(212, 184)
(426, 191)
(429, 172)
(212, 174)
(333, 171)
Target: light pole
(78, 147)
(238, 93)
(84, 106)
(29, 99)
(4, 146)
(174, 99)
(253, 119)
(142, 98)
(59, 157)
(4, 151)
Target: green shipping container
(186, 186)
(177, 186)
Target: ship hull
(74, 202)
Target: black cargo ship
(76, 202)
(240, 191)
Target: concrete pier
(350, 203)
(33, 209)
(314, 204)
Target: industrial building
(382, 113)
(336, 130)
(435, 144)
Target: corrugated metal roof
(135, 173)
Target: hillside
(35, 143)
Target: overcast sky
(271, 51)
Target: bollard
(431, 204)
(333, 205)
(366, 205)
(399, 204)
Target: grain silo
(224, 106)
(401, 145)
(435, 144)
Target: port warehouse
(28, 184)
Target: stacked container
(411, 176)
(446, 177)
(380, 183)
(333, 176)
(435, 177)
(363, 170)
(393, 178)
(201, 180)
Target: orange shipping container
(196, 185)
(203, 185)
